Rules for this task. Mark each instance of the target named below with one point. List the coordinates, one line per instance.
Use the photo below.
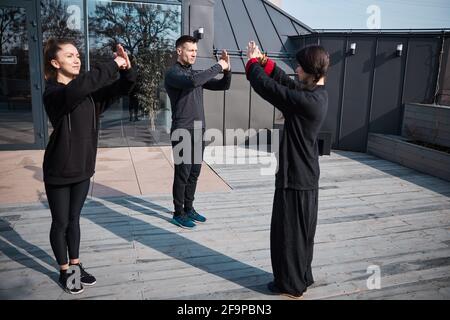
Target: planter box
(397, 149)
(427, 123)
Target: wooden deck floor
(371, 213)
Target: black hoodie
(74, 110)
(304, 111)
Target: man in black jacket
(185, 89)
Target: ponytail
(51, 49)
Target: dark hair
(183, 39)
(314, 60)
(51, 49)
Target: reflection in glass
(16, 119)
(148, 32)
(63, 19)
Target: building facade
(147, 29)
(368, 86)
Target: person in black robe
(304, 106)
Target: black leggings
(66, 202)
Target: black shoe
(68, 286)
(86, 278)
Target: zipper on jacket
(95, 118)
(70, 122)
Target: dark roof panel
(203, 63)
(239, 21)
(223, 34)
(270, 42)
(282, 23)
(237, 64)
(303, 26)
(241, 24)
(300, 30)
(285, 65)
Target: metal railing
(243, 53)
(380, 31)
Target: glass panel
(64, 19)
(148, 32)
(16, 119)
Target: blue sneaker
(183, 221)
(195, 216)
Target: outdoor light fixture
(353, 48)
(399, 49)
(200, 33)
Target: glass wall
(148, 32)
(16, 117)
(64, 19)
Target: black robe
(294, 213)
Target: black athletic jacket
(304, 112)
(185, 89)
(74, 110)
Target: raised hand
(121, 62)
(122, 53)
(253, 51)
(224, 64)
(225, 57)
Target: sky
(370, 14)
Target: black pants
(293, 227)
(187, 172)
(66, 202)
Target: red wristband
(249, 63)
(270, 65)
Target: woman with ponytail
(304, 106)
(73, 103)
